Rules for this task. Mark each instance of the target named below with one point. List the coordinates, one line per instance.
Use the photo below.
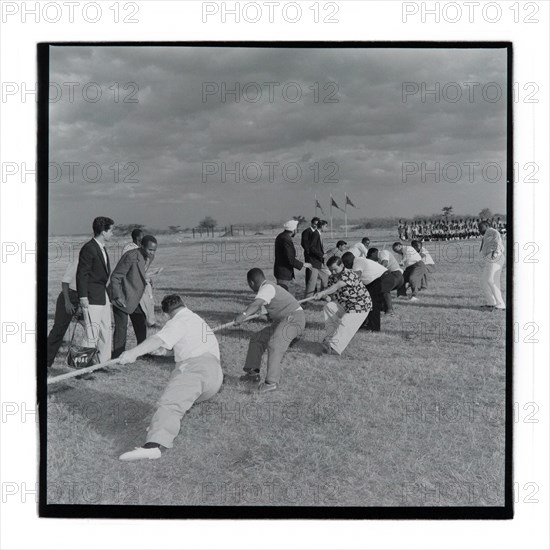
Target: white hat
(291, 225)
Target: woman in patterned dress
(348, 309)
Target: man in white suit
(492, 253)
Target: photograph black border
(259, 512)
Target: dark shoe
(327, 349)
(251, 376)
(294, 342)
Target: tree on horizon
(208, 222)
(447, 211)
(126, 229)
(485, 214)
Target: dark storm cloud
(368, 131)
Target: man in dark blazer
(316, 258)
(307, 234)
(285, 257)
(127, 286)
(92, 276)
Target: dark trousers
(139, 322)
(372, 321)
(412, 275)
(387, 284)
(398, 280)
(61, 323)
(429, 269)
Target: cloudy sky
(155, 131)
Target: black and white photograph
(275, 279)
(274, 275)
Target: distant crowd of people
(446, 230)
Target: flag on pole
(333, 203)
(318, 205)
(348, 201)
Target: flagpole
(331, 232)
(346, 215)
(315, 204)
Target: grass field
(412, 416)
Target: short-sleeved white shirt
(386, 255)
(266, 293)
(370, 270)
(426, 256)
(189, 336)
(70, 275)
(410, 256)
(359, 250)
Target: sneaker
(250, 376)
(266, 387)
(141, 453)
(413, 299)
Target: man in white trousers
(198, 374)
(492, 254)
(92, 277)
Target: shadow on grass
(162, 361)
(308, 347)
(64, 386)
(214, 293)
(116, 417)
(429, 335)
(447, 296)
(232, 381)
(438, 306)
